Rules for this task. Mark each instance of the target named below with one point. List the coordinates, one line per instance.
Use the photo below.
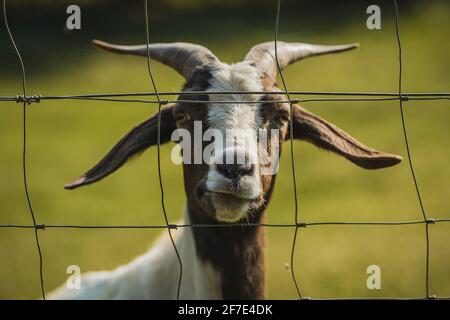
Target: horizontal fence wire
(130, 97)
(232, 225)
(343, 96)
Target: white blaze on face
(235, 77)
(238, 123)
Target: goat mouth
(225, 193)
(225, 205)
(230, 194)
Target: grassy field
(67, 137)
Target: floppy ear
(325, 135)
(133, 143)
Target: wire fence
(399, 96)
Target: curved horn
(263, 54)
(183, 57)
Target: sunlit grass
(67, 137)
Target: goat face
(239, 143)
(237, 167)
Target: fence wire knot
(344, 96)
(404, 97)
(29, 99)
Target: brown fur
(236, 252)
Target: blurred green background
(68, 137)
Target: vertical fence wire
(24, 149)
(160, 103)
(400, 96)
(291, 128)
(405, 135)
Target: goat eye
(284, 115)
(181, 117)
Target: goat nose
(235, 171)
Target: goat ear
(325, 135)
(133, 143)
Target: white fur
(236, 77)
(153, 275)
(238, 123)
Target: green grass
(67, 137)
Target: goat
(218, 263)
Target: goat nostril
(234, 171)
(223, 169)
(247, 170)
